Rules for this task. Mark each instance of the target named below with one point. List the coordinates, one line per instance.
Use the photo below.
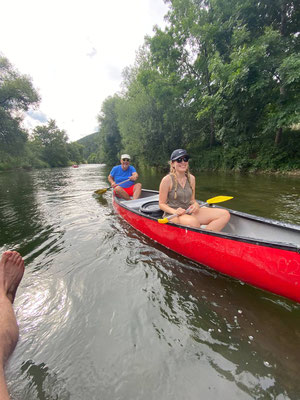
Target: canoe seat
(152, 209)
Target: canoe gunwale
(225, 235)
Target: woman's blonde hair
(173, 173)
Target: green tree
(222, 79)
(75, 152)
(150, 115)
(184, 50)
(241, 57)
(90, 144)
(109, 134)
(51, 144)
(16, 96)
(258, 79)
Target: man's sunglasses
(125, 159)
(180, 159)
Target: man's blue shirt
(119, 175)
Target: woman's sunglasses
(180, 159)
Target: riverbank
(165, 169)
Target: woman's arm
(194, 205)
(164, 189)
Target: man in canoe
(11, 273)
(122, 178)
(177, 196)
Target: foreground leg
(11, 273)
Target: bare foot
(11, 273)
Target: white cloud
(75, 51)
(34, 118)
(38, 116)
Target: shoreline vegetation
(165, 169)
(221, 80)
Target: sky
(75, 52)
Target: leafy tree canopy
(222, 74)
(16, 96)
(51, 143)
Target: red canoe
(262, 252)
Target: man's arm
(134, 176)
(111, 180)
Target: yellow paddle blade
(218, 199)
(101, 191)
(163, 220)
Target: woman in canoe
(177, 194)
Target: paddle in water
(213, 200)
(102, 191)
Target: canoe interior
(241, 225)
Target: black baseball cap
(178, 153)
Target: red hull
(270, 268)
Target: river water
(105, 313)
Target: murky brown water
(105, 313)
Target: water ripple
(106, 313)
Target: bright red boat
(262, 252)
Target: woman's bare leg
(214, 218)
(187, 220)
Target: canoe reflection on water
(256, 331)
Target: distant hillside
(90, 144)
